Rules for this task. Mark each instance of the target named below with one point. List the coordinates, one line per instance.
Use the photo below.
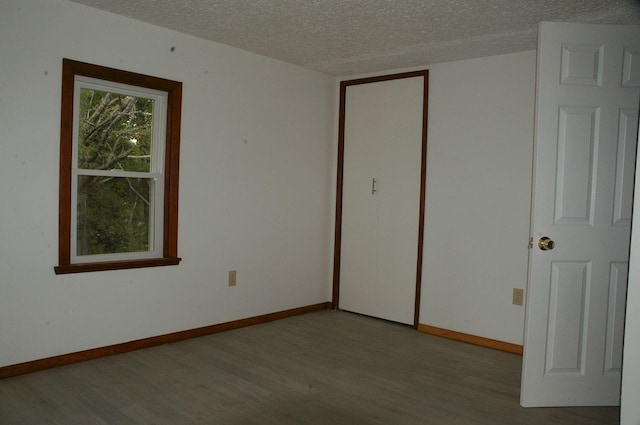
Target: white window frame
(155, 174)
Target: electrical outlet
(518, 296)
(232, 278)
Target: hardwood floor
(325, 367)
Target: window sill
(116, 265)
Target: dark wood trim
(335, 303)
(120, 76)
(80, 356)
(70, 69)
(172, 170)
(64, 182)
(472, 339)
(423, 183)
(116, 265)
(337, 248)
(423, 73)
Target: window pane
(114, 131)
(113, 215)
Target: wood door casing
(340, 183)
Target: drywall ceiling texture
(342, 38)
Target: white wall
(478, 194)
(255, 185)
(629, 406)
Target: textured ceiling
(343, 37)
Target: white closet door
(381, 198)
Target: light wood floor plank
(325, 367)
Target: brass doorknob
(545, 244)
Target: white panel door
(383, 125)
(585, 148)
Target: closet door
(381, 197)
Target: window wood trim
(70, 69)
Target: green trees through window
(113, 212)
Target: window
(119, 157)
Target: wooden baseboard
(472, 339)
(80, 356)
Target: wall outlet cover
(518, 296)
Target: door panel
(585, 144)
(625, 166)
(577, 164)
(567, 327)
(615, 317)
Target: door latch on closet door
(373, 186)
